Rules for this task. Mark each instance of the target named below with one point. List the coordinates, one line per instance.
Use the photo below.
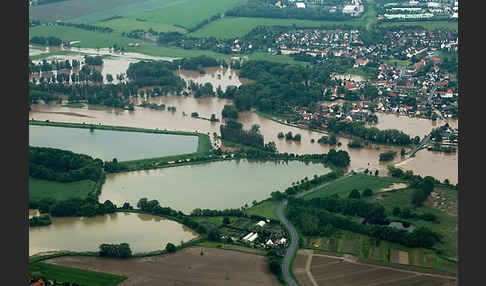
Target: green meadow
(40, 189)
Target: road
(294, 238)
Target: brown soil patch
(430, 259)
(185, 267)
(393, 256)
(394, 186)
(300, 262)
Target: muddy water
(222, 77)
(147, 118)
(143, 232)
(412, 126)
(216, 185)
(436, 164)
(108, 144)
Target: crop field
(359, 182)
(67, 10)
(386, 252)
(184, 267)
(67, 274)
(39, 189)
(334, 270)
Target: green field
(448, 219)
(266, 209)
(230, 27)
(360, 182)
(73, 275)
(130, 24)
(89, 39)
(402, 63)
(39, 189)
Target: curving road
(294, 238)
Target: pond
(217, 185)
(142, 232)
(108, 144)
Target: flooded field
(148, 118)
(147, 233)
(108, 144)
(216, 185)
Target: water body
(412, 126)
(216, 185)
(108, 144)
(147, 118)
(217, 76)
(143, 232)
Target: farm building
(300, 5)
(261, 223)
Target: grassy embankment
(365, 247)
(73, 275)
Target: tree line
(46, 41)
(266, 9)
(42, 220)
(314, 221)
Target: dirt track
(185, 267)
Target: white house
(269, 242)
(247, 236)
(300, 5)
(253, 237)
(261, 223)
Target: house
(253, 237)
(361, 62)
(300, 5)
(269, 243)
(350, 85)
(261, 223)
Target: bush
(115, 250)
(367, 192)
(170, 247)
(354, 194)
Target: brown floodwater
(147, 118)
(142, 232)
(436, 164)
(217, 76)
(412, 126)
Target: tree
(402, 152)
(170, 247)
(226, 220)
(367, 192)
(354, 194)
(109, 77)
(275, 266)
(229, 111)
(280, 135)
(396, 211)
(376, 173)
(297, 137)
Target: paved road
(294, 238)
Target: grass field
(401, 63)
(130, 24)
(39, 189)
(266, 209)
(88, 39)
(79, 276)
(67, 10)
(360, 182)
(447, 217)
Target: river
(216, 185)
(142, 232)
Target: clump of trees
(234, 131)
(93, 60)
(358, 128)
(40, 220)
(313, 219)
(63, 166)
(229, 111)
(45, 41)
(387, 156)
(121, 250)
